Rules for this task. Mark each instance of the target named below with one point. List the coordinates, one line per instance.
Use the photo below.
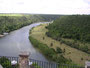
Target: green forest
(12, 22)
(75, 27)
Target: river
(17, 41)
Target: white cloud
(45, 6)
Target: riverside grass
(75, 55)
(49, 53)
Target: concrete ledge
(24, 53)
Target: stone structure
(24, 60)
(87, 64)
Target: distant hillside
(10, 14)
(76, 27)
(50, 17)
(10, 22)
(45, 17)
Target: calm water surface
(17, 41)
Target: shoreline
(1, 35)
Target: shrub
(43, 38)
(81, 58)
(35, 65)
(58, 50)
(51, 44)
(64, 50)
(5, 62)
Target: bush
(81, 58)
(51, 44)
(58, 50)
(5, 62)
(43, 38)
(35, 65)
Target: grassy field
(8, 14)
(75, 55)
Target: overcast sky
(45, 6)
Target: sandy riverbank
(1, 35)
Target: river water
(17, 41)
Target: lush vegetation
(75, 44)
(6, 63)
(61, 47)
(50, 53)
(10, 22)
(35, 65)
(76, 27)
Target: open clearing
(75, 55)
(10, 14)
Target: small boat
(5, 33)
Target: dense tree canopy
(9, 23)
(75, 27)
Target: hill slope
(76, 56)
(10, 22)
(75, 27)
